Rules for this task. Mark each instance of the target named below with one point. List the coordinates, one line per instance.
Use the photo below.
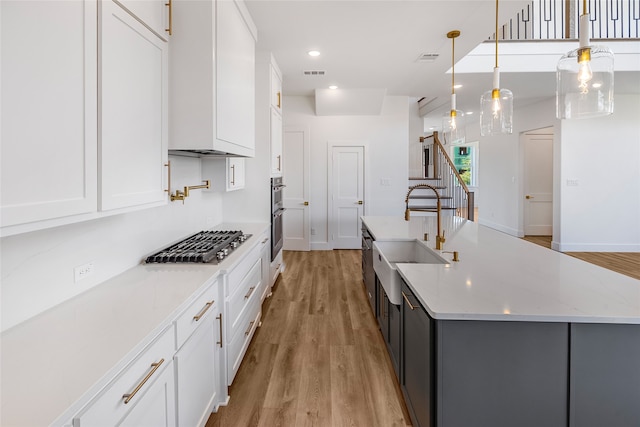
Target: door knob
(528, 197)
(306, 203)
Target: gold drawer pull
(411, 306)
(220, 318)
(250, 292)
(250, 326)
(127, 397)
(207, 306)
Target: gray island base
(511, 335)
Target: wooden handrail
(439, 147)
(436, 142)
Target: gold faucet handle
(455, 255)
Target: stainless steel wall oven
(277, 209)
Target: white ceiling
(374, 44)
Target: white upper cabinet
(276, 142)
(153, 13)
(133, 89)
(212, 69)
(48, 110)
(276, 87)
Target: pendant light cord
(453, 64)
(497, 33)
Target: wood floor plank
(348, 408)
(318, 359)
(314, 400)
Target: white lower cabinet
(243, 286)
(197, 362)
(142, 394)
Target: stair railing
(445, 170)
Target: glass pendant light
(496, 105)
(453, 121)
(585, 78)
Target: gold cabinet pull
(279, 106)
(279, 162)
(528, 197)
(411, 306)
(249, 328)
(207, 306)
(170, 6)
(168, 166)
(219, 317)
(359, 202)
(250, 292)
(233, 174)
(306, 203)
(127, 397)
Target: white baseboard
(499, 227)
(598, 247)
(321, 246)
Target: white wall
(603, 212)
(37, 267)
(387, 139)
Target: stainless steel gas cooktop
(202, 247)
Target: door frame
(365, 179)
(307, 177)
(545, 130)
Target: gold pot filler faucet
(440, 237)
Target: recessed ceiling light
(314, 53)
(469, 113)
(333, 87)
(458, 86)
(597, 85)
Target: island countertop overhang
(503, 278)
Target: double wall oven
(277, 209)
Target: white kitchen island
(513, 333)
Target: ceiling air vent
(313, 73)
(427, 57)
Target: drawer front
(238, 273)
(196, 313)
(247, 291)
(109, 407)
(240, 341)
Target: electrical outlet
(83, 271)
(572, 183)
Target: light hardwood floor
(319, 358)
(627, 263)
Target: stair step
(412, 178)
(429, 197)
(432, 208)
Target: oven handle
(278, 187)
(279, 212)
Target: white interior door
(538, 184)
(295, 196)
(346, 196)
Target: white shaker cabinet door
(276, 143)
(153, 13)
(235, 68)
(198, 374)
(133, 94)
(48, 110)
(157, 408)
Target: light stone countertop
(50, 363)
(501, 277)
